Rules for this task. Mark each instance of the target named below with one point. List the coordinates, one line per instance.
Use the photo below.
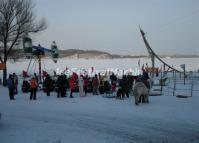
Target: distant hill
(94, 54)
(85, 54)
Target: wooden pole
(191, 88)
(161, 84)
(39, 60)
(174, 88)
(184, 74)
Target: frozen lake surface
(192, 64)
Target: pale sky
(172, 26)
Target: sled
(182, 96)
(109, 94)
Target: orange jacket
(33, 83)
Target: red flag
(44, 73)
(92, 69)
(143, 70)
(25, 74)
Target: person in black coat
(11, 87)
(124, 87)
(61, 84)
(48, 85)
(113, 79)
(130, 80)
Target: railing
(178, 83)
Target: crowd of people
(65, 86)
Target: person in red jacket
(72, 86)
(33, 88)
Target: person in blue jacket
(11, 87)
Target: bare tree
(16, 19)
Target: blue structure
(39, 51)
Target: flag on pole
(92, 69)
(139, 63)
(143, 70)
(146, 65)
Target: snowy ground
(166, 119)
(98, 120)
